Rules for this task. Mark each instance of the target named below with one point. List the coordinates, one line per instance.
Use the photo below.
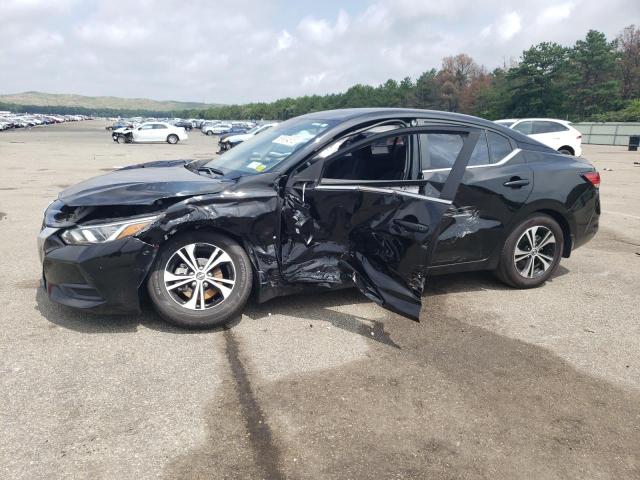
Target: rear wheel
(172, 139)
(531, 252)
(200, 280)
(209, 132)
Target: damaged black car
(379, 199)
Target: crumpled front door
(378, 234)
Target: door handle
(516, 182)
(412, 226)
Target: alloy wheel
(535, 252)
(199, 276)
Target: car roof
(346, 114)
(538, 119)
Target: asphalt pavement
(493, 382)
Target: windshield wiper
(201, 168)
(216, 171)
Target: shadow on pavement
(455, 402)
(312, 306)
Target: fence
(608, 133)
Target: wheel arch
(567, 243)
(206, 227)
(568, 147)
(555, 210)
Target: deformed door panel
(380, 235)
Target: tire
(566, 151)
(209, 132)
(173, 298)
(121, 139)
(173, 139)
(521, 269)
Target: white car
(216, 129)
(150, 132)
(231, 141)
(554, 133)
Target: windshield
(263, 152)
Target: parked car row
(10, 120)
(217, 127)
(229, 140)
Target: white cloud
(244, 50)
(509, 25)
(285, 40)
(555, 13)
(313, 79)
(321, 31)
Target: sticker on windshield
(257, 166)
(293, 140)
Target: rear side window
(440, 150)
(548, 127)
(159, 126)
(499, 146)
(524, 127)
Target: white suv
(557, 134)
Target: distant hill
(42, 99)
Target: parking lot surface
(492, 383)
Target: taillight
(578, 137)
(593, 178)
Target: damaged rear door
(359, 212)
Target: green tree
(426, 90)
(594, 87)
(494, 101)
(538, 84)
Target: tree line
(89, 111)
(595, 79)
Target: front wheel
(531, 252)
(200, 280)
(121, 139)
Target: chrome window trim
(382, 190)
(512, 154)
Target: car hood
(142, 184)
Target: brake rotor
(211, 292)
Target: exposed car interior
(386, 159)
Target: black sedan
(118, 125)
(382, 199)
(188, 126)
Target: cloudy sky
(241, 50)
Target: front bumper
(103, 277)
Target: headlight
(105, 232)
